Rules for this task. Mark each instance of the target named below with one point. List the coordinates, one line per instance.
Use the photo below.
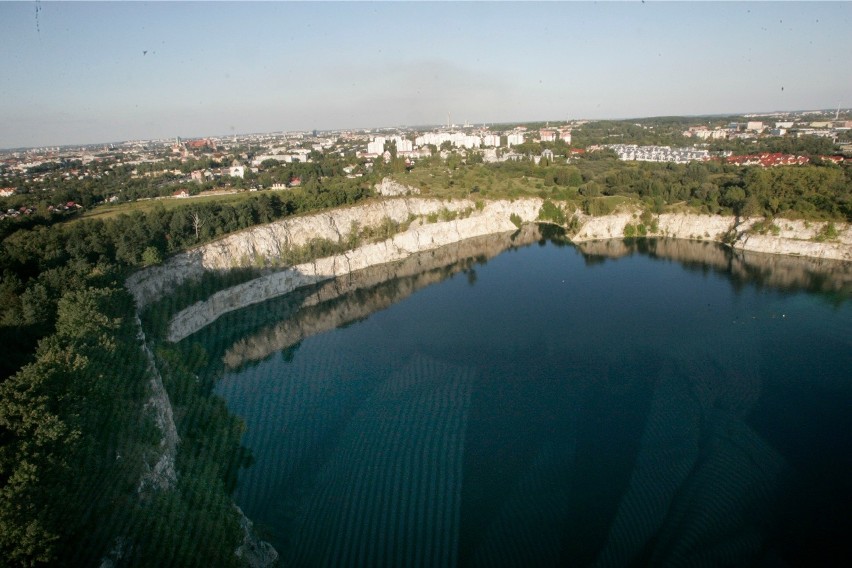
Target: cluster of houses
(754, 128)
(236, 170)
(25, 210)
(768, 160)
(481, 139)
(633, 152)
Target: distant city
(243, 157)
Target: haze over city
(78, 73)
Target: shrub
(827, 233)
(551, 212)
(151, 256)
(447, 215)
(598, 207)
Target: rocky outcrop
(492, 219)
(797, 238)
(161, 475)
(800, 238)
(253, 552)
(264, 243)
(390, 188)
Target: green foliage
(71, 421)
(827, 233)
(73, 431)
(649, 221)
(551, 212)
(446, 215)
(598, 207)
(151, 256)
(516, 220)
(765, 226)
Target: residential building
(377, 146)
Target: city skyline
(81, 73)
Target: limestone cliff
(334, 304)
(161, 475)
(265, 244)
(494, 218)
(791, 238)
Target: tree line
(74, 436)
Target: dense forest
(74, 434)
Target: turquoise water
(655, 402)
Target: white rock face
(793, 238)
(266, 243)
(607, 227)
(493, 218)
(253, 551)
(797, 238)
(705, 227)
(162, 475)
(390, 188)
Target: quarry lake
(521, 401)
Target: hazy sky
(76, 72)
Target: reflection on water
(782, 272)
(352, 297)
(544, 413)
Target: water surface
(619, 403)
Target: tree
(197, 222)
(151, 256)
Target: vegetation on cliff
(75, 435)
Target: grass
(116, 209)
(476, 181)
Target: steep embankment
(269, 242)
(799, 238)
(493, 219)
(265, 242)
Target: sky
(92, 72)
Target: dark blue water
(556, 407)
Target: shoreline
(265, 243)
